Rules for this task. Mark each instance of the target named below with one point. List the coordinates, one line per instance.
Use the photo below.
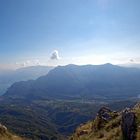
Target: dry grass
(6, 135)
(98, 130)
(111, 130)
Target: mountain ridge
(90, 81)
(8, 77)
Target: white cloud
(55, 55)
(28, 63)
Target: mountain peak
(108, 64)
(72, 80)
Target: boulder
(104, 113)
(128, 125)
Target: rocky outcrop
(6, 135)
(104, 113)
(3, 129)
(128, 125)
(111, 125)
(128, 121)
(83, 132)
(103, 116)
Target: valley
(69, 69)
(50, 119)
(53, 106)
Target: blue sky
(75, 31)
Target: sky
(60, 32)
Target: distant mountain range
(86, 82)
(134, 65)
(8, 77)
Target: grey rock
(128, 125)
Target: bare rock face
(103, 116)
(83, 132)
(104, 113)
(128, 125)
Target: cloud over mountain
(55, 55)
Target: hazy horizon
(62, 32)
(70, 69)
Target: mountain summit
(87, 81)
